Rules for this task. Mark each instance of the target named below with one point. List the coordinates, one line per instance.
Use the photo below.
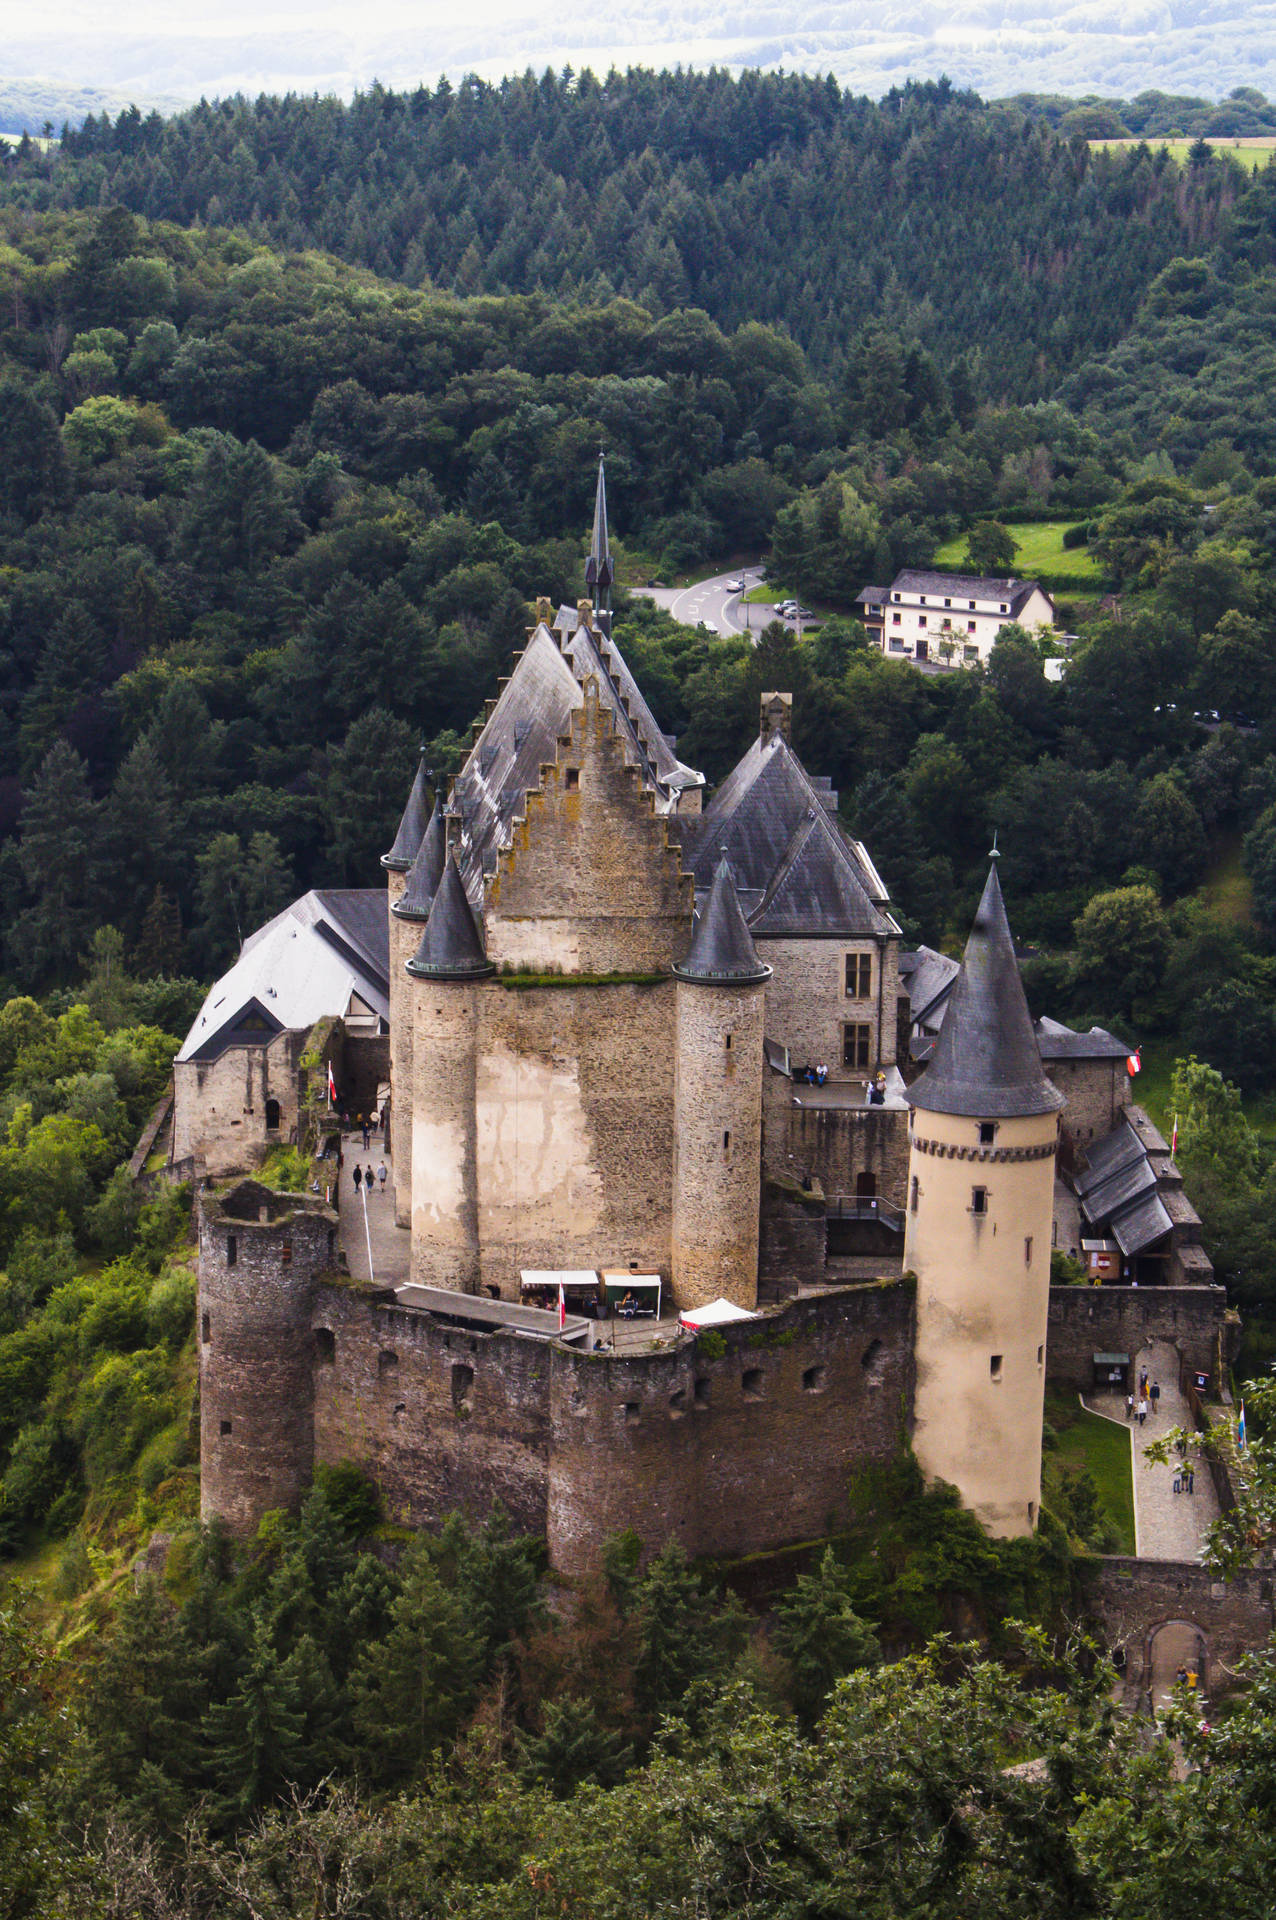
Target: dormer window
(921, 599)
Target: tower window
(979, 1199)
(726, 1141)
(751, 1384)
(572, 782)
(913, 1192)
(225, 1428)
(325, 1346)
(857, 1039)
(205, 1330)
(232, 1249)
(813, 1380)
(994, 1366)
(1041, 1354)
(987, 1132)
(1032, 1512)
(1027, 1250)
(859, 976)
(462, 1387)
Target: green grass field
(1039, 554)
(1088, 1440)
(1253, 153)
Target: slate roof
(1057, 1042)
(451, 946)
(798, 874)
(986, 1062)
(722, 952)
(928, 977)
(969, 586)
(1120, 1148)
(598, 568)
(411, 826)
(426, 871)
(531, 713)
(1121, 1190)
(306, 962)
(872, 596)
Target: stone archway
(1167, 1645)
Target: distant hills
(1203, 48)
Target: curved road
(709, 600)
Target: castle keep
(632, 1034)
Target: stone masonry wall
(219, 1106)
(1132, 1598)
(575, 1128)
(836, 1144)
(1097, 1093)
(807, 1003)
(1084, 1321)
(717, 1145)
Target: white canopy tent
(718, 1313)
(632, 1294)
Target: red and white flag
(1134, 1062)
(332, 1085)
(562, 1307)
(1174, 1138)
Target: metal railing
(854, 1206)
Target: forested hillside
(775, 198)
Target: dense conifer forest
(301, 404)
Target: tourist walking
(369, 1178)
(358, 1176)
(365, 1132)
(1156, 1394)
(1129, 1406)
(381, 1176)
(1143, 1409)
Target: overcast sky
(178, 51)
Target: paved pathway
(1169, 1525)
(367, 1225)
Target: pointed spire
(451, 946)
(986, 1061)
(722, 953)
(411, 827)
(426, 870)
(598, 567)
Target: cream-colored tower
(446, 971)
(717, 1166)
(408, 914)
(983, 1136)
(397, 864)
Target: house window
(987, 1132)
(994, 1366)
(970, 626)
(979, 1199)
(971, 605)
(896, 618)
(857, 1038)
(921, 599)
(921, 619)
(859, 976)
(948, 603)
(894, 596)
(1003, 608)
(970, 653)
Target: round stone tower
(408, 914)
(983, 1136)
(398, 864)
(717, 1154)
(259, 1254)
(446, 971)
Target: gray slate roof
(1057, 1042)
(411, 826)
(928, 977)
(872, 596)
(532, 712)
(451, 946)
(722, 952)
(426, 871)
(986, 1062)
(798, 874)
(969, 586)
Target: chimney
(585, 614)
(544, 613)
(777, 716)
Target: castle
(634, 1035)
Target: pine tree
(821, 1635)
(413, 1688)
(257, 1736)
(58, 853)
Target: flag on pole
(332, 1085)
(1174, 1138)
(1240, 1429)
(562, 1307)
(1134, 1062)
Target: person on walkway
(358, 1176)
(1143, 1409)
(1189, 1474)
(1156, 1394)
(364, 1122)
(1129, 1406)
(381, 1176)
(369, 1178)
(1143, 1383)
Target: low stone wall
(792, 1241)
(1084, 1321)
(1132, 1598)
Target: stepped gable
(411, 827)
(426, 871)
(521, 733)
(797, 872)
(451, 946)
(722, 952)
(985, 1061)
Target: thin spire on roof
(722, 953)
(598, 567)
(451, 946)
(986, 1061)
(412, 826)
(426, 871)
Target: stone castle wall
(834, 1144)
(807, 1003)
(1084, 1321)
(1134, 1598)
(1097, 1093)
(717, 1144)
(219, 1106)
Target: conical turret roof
(722, 952)
(986, 1061)
(426, 870)
(411, 827)
(451, 946)
(598, 568)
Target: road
(709, 600)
